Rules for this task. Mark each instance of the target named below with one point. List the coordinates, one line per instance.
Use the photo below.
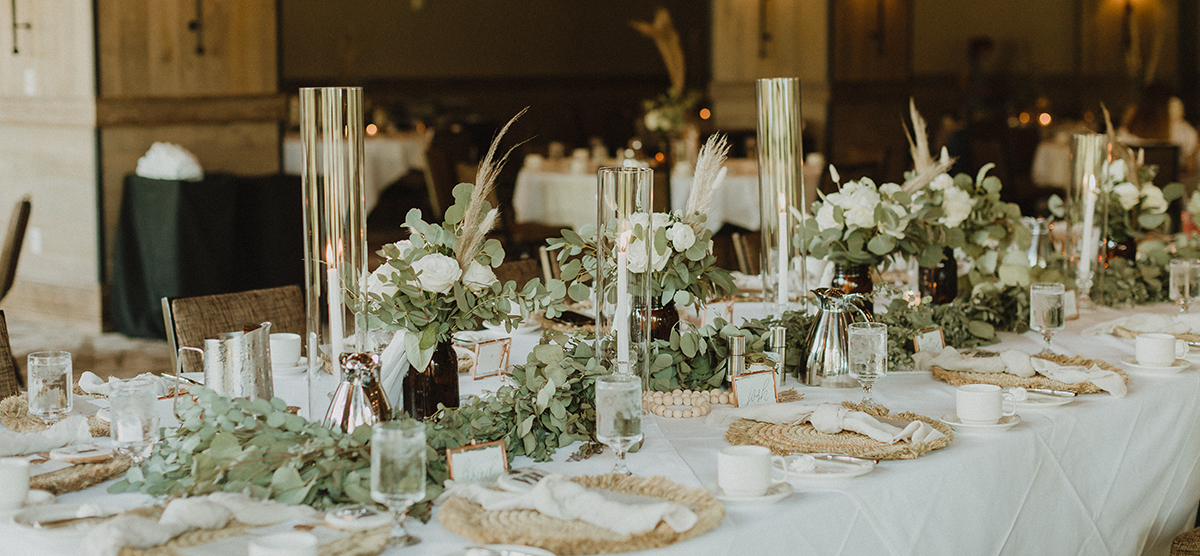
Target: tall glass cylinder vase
(623, 270)
(781, 193)
(1087, 210)
(335, 228)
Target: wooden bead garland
(698, 403)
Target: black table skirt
(223, 234)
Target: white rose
(404, 246)
(682, 236)
(1128, 194)
(889, 189)
(836, 199)
(437, 272)
(957, 205)
(1152, 200)
(660, 219)
(660, 260)
(378, 283)
(636, 256)
(860, 210)
(825, 219)
(478, 277)
(1116, 170)
(941, 182)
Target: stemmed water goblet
(619, 415)
(134, 423)
(1183, 286)
(398, 471)
(50, 380)
(868, 355)
(1046, 310)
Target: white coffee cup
(14, 483)
(285, 349)
(284, 544)
(1159, 350)
(747, 470)
(983, 404)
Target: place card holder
(477, 462)
(756, 388)
(929, 339)
(491, 358)
(1070, 307)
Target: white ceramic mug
(983, 404)
(14, 483)
(284, 544)
(747, 470)
(285, 349)
(1159, 350)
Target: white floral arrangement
(1141, 209)
(863, 223)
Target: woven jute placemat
(14, 414)
(959, 378)
(803, 438)
(363, 543)
(569, 538)
(1122, 332)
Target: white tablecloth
(1099, 476)
(736, 202)
(386, 158)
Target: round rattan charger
(959, 378)
(14, 414)
(568, 538)
(803, 438)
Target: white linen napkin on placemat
(184, 514)
(829, 419)
(91, 383)
(1022, 364)
(559, 497)
(72, 430)
(1142, 322)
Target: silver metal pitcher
(238, 364)
(827, 361)
(359, 399)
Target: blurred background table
(386, 158)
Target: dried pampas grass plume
(472, 230)
(925, 168)
(709, 165)
(662, 30)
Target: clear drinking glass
(619, 415)
(1046, 310)
(134, 422)
(1181, 283)
(868, 355)
(50, 382)
(398, 471)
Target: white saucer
(774, 494)
(300, 367)
(1004, 424)
(1171, 369)
(830, 467)
(1036, 400)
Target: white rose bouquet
(440, 280)
(863, 223)
(1133, 210)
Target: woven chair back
(196, 318)
(9, 381)
(11, 250)
(520, 271)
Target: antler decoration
(667, 40)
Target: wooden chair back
(746, 249)
(11, 251)
(192, 319)
(10, 381)
(550, 269)
(521, 271)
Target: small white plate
(830, 467)
(30, 517)
(1037, 400)
(1172, 369)
(775, 493)
(1005, 423)
(299, 367)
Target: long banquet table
(1099, 476)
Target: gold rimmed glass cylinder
(335, 228)
(781, 193)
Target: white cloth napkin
(559, 497)
(829, 419)
(72, 430)
(168, 161)
(93, 384)
(1142, 322)
(184, 514)
(1023, 365)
